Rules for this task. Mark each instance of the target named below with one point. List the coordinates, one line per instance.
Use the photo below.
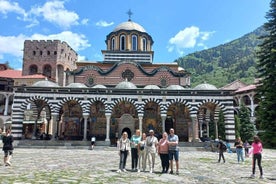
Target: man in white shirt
(151, 144)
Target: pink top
(257, 147)
(163, 146)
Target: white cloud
(13, 45)
(55, 12)
(103, 23)
(188, 38)
(7, 6)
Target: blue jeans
(240, 154)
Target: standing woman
(124, 147)
(239, 149)
(142, 153)
(7, 147)
(134, 149)
(163, 151)
(257, 149)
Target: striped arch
(219, 105)
(34, 98)
(63, 101)
(93, 100)
(178, 100)
(116, 101)
(158, 101)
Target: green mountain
(225, 63)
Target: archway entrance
(126, 129)
(126, 123)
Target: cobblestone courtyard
(100, 165)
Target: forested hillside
(225, 63)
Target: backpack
(223, 146)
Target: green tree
(247, 130)
(237, 126)
(221, 126)
(266, 113)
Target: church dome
(45, 83)
(151, 87)
(76, 85)
(175, 87)
(125, 85)
(99, 86)
(129, 25)
(205, 86)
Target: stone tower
(51, 58)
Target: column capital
(85, 115)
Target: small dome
(205, 86)
(99, 86)
(125, 85)
(151, 87)
(129, 25)
(175, 87)
(180, 68)
(45, 83)
(76, 85)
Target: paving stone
(53, 166)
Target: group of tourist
(144, 148)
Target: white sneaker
(252, 176)
(150, 170)
(261, 177)
(124, 170)
(138, 170)
(119, 171)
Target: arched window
(34, 53)
(47, 70)
(134, 42)
(113, 43)
(122, 42)
(33, 70)
(144, 40)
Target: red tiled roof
(246, 88)
(17, 74)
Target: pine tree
(221, 126)
(266, 113)
(247, 129)
(237, 126)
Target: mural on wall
(97, 121)
(179, 119)
(71, 121)
(152, 118)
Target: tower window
(113, 44)
(48, 52)
(33, 70)
(144, 40)
(122, 42)
(34, 53)
(41, 52)
(134, 42)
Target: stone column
(107, 116)
(54, 126)
(194, 120)
(163, 117)
(85, 116)
(6, 104)
(140, 117)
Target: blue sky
(178, 27)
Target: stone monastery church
(124, 92)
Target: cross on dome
(129, 14)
